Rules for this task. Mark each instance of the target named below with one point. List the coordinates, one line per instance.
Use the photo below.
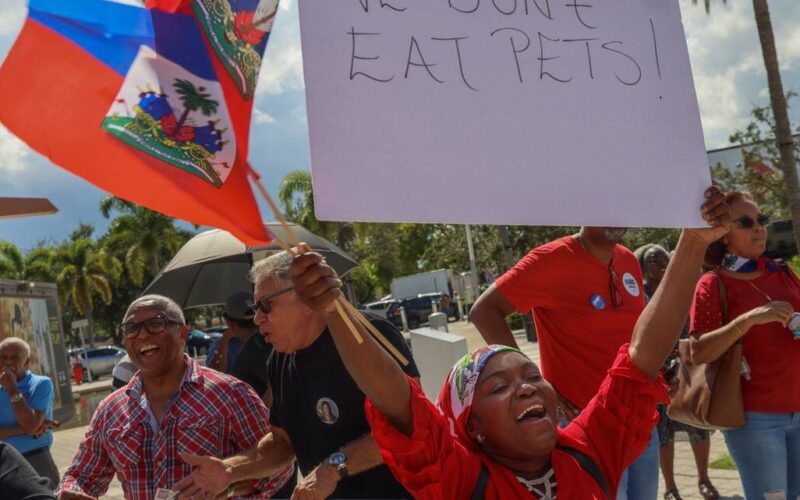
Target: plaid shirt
(211, 414)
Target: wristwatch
(338, 460)
(16, 398)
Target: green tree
(85, 272)
(758, 146)
(297, 197)
(193, 98)
(143, 239)
(36, 265)
(780, 110)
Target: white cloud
(12, 15)
(261, 117)
(13, 153)
(727, 63)
(282, 69)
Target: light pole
(472, 266)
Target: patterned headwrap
(455, 398)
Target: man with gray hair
(317, 410)
(26, 408)
(171, 407)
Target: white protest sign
(568, 112)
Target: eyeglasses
(747, 222)
(264, 305)
(613, 285)
(153, 325)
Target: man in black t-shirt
(317, 409)
(250, 367)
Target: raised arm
(378, 376)
(489, 316)
(662, 321)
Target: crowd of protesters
(288, 388)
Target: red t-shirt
(613, 430)
(578, 328)
(770, 350)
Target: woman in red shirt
(762, 298)
(495, 434)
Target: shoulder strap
(589, 466)
(479, 493)
(723, 298)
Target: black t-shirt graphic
(321, 408)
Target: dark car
(198, 342)
(417, 311)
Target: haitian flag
(136, 101)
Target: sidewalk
(726, 481)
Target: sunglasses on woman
(264, 305)
(747, 222)
(153, 325)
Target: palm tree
(86, 273)
(147, 239)
(36, 265)
(783, 129)
(297, 197)
(193, 98)
(12, 263)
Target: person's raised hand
(318, 484)
(8, 381)
(778, 311)
(315, 282)
(716, 214)
(210, 475)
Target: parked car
(379, 308)
(417, 311)
(443, 303)
(197, 343)
(99, 360)
(215, 331)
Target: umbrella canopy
(214, 265)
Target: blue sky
(723, 47)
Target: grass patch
(724, 462)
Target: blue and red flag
(150, 104)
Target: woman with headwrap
(495, 432)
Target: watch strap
(231, 491)
(343, 473)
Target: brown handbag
(709, 395)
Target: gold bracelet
(737, 328)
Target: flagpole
(342, 306)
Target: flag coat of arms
(146, 103)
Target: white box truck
(443, 280)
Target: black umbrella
(214, 265)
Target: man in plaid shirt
(172, 406)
